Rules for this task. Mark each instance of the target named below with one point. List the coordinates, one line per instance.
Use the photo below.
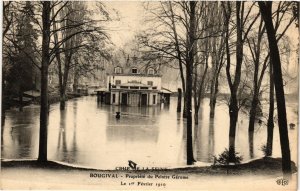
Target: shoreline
(53, 99)
(262, 166)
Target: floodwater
(88, 134)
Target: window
(150, 83)
(154, 88)
(154, 99)
(118, 70)
(151, 71)
(134, 70)
(118, 82)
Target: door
(107, 98)
(124, 99)
(134, 99)
(144, 100)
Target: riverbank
(264, 166)
(55, 175)
(9, 103)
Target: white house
(134, 86)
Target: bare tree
(7, 17)
(204, 30)
(46, 9)
(256, 52)
(266, 13)
(74, 31)
(200, 80)
(189, 78)
(167, 46)
(168, 39)
(283, 8)
(41, 17)
(261, 58)
(217, 55)
(242, 17)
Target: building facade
(133, 86)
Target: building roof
(32, 93)
(165, 90)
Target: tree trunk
(256, 80)
(233, 114)
(3, 107)
(251, 144)
(42, 156)
(189, 79)
(179, 100)
(62, 103)
(2, 117)
(195, 93)
(213, 96)
(200, 93)
(63, 96)
(213, 101)
(270, 125)
(266, 12)
(254, 104)
(75, 84)
(233, 106)
(213, 78)
(184, 114)
(196, 116)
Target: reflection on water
(19, 134)
(87, 133)
(62, 151)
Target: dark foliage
(223, 158)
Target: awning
(101, 90)
(134, 84)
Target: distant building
(134, 86)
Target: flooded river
(88, 134)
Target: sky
(131, 16)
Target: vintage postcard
(149, 95)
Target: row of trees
(239, 40)
(19, 41)
(61, 35)
(77, 41)
(204, 40)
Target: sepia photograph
(149, 95)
